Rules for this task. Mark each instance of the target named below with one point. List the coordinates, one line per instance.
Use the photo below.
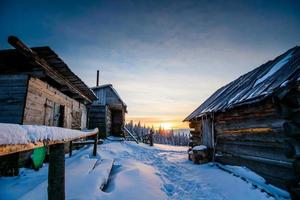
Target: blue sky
(163, 57)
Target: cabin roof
(12, 57)
(254, 86)
(54, 60)
(100, 87)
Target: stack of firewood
(195, 138)
(200, 154)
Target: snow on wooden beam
(31, 137)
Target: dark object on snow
(255, 121)
(200, 156)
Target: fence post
(70, 148)
(95, 144)
(151, 138)
(56, 172)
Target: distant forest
(160, 136)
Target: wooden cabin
(108, 112)
(38, 88)
(254, 121)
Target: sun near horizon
(159, 122)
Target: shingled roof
(255, 85)
(59, 65)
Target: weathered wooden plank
(259, 149)
(12, 97)
(9, 149)
(252, 123)
(56, 173)
(264, 137)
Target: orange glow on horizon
(166, 123)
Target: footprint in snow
(169, 189)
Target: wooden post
(70, 148)
(95, 145)
(56, 173)
(151, 138)
(97, 82)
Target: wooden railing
(56, 172)
(131, 135)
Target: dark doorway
(59, 113)
(117, 123)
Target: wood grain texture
(12, 98)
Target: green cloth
(38, 157)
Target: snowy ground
(139, 172)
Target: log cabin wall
(41, 102)
(195, 135)
(98, 118)
(254, 136)
(13, 89)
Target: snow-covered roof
(255, 85)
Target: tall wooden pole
(56, 173)
(97, 82)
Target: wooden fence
(56, 172)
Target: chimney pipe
(97, 83)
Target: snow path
(181, 179)
(140, 172)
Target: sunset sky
(163, 57)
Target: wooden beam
(9, 149)
(70, 149)
(97, 82)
